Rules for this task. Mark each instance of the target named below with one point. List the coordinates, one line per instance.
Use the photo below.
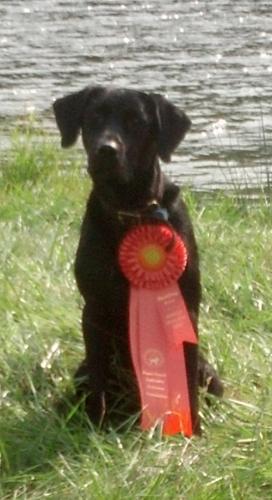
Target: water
(213, 59)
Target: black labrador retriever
(125, 133)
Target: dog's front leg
(91, 376)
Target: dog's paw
(94, 400)
(95, 408)
(208, 378)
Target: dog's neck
(136, 197)
(155, 202)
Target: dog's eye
(98, 119)
(99, 115)
(132, 121)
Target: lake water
(212, 58)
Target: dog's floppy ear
(69, 111)
(172, 125)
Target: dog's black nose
(108, 150)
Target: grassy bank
(47, 453)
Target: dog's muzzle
(108, 162)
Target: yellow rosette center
(152, 257)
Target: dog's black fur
(125, 133)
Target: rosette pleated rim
(152, 256)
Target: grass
(46, 453)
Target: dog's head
(123, 132)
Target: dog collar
(152, 210)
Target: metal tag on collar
(157, 212)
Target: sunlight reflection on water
(214, 59)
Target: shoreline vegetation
(47, 452)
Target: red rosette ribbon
(152, 256)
